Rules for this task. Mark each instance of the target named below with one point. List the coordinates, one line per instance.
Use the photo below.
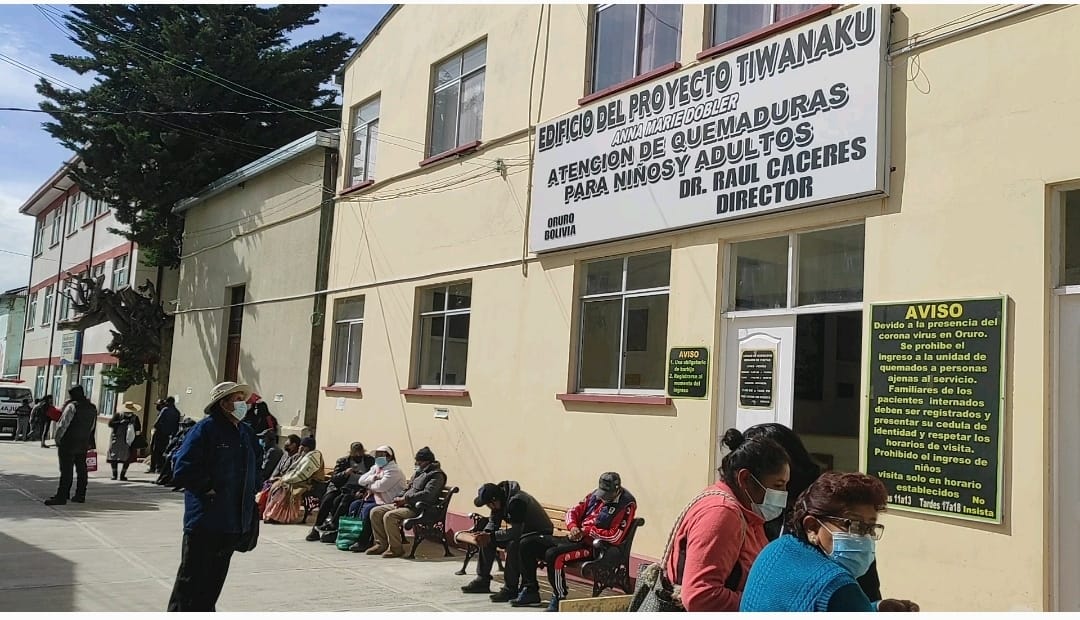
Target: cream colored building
(250, 237)
(514, 354)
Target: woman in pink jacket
(723, 531)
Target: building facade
(71, 236)
(255, 235)
(12, 328)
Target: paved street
(120, 550)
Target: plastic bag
(350, 529)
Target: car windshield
(14, 394)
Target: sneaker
(313, 535)
(55, 501)
(553, 604)
(504, 595)
(526, 598)
(477, 586)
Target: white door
(1067, 462)
(760, 372)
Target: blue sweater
(792, 576)
(220, 457)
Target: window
(120, 272)
(47, 305)
(828, 268)
(73, 212)
(57, 214)
(87, 380)
(89, 210)
(365, 137)
(624, 318)
(97, 272)
(65, 300)
(457, 107)
(58, 385)
(31, 311)
(39, 382)
(1071, 225)
(39, 237)
(107, 404)
(731, 21)
(632, 39)
(348, 337)
(444, 335)
(235, 327)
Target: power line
(36, 72)
(15, 253)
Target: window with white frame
(457, 103)
(799, 269)
(31, 311)
(87, 380)
(347, 341)
(39, 236)
(731, 21)
(58, 393)
(120, 272)
(632, 39)
(39, 382)
(444, 335)
(73, 212)
(1070, 239)
(57, 215)
(97, 272)
(65, 301)
(624, 318)
(47, 305)
(365, 139)
(89, 213)
(107, 404)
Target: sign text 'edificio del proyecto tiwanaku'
(936, 407)
(795, 120)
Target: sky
(29, 155)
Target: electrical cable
(150, 113)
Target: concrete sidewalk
(119, 552)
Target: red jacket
(712, 535)
(53, 413)
(600, 521)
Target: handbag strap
(678, 522)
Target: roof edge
(292, 150)
(43, 189)
(340, 75)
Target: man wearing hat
(166, 425)
(218, 467)
(74, 437)
(427, 484)
(605, 515)
(526, 518)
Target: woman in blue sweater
(833, 530)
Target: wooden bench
(609, 567)
(430, 522)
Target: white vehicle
(12, 393)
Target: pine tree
(181, 57)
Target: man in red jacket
(605, 514)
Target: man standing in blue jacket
(218, 466)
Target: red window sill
(616, 399)
(621, 86)
(461, 150)
(343, 389)
(436, 392)
(352, 189)
(767, 31)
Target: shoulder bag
(654, 591)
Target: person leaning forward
(426, 486)
(526, 519)
(218, 467)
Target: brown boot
(376, 550)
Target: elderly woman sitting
(815, 568)
(287, 493)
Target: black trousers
(45, 430)
(511, 571)
(329, 505)
(72, 463)
(556, 553)
(204, 565)
(157, 452)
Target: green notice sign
(688, 372)
(936, 411)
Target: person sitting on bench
(344, 483)
(380, 485)
(426, 487)
(605, 514)
(526, 517)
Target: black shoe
(477, 586)
(123, 478)
(114, 476)
(526, 598)
(313, 535)
(553, 605)
(78, 499)
(357, 547)
(55, 501)
(504, 595)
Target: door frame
(1058, 449)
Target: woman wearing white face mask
(721, 532)
(832, 542)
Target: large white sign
(792, 121)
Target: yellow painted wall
(976, 137)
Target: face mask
(855, 553)
(773, 504)
(380, 462)
(417, 469)
(240, 410)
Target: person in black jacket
(525, 516)
(74, 437)
(166, 425)
(272, 454)
(341, 490)
(804, 471)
